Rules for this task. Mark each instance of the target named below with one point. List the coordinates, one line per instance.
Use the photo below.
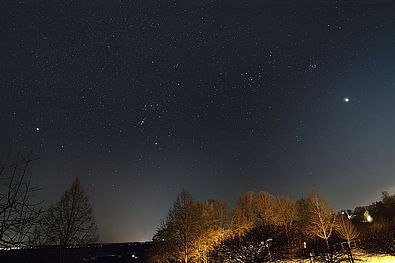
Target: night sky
(140, 99)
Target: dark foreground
(95, 253)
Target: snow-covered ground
(366, 259)
(359, 258)
(378, 258)
(363, 257)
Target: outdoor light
(369, 219)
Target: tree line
(260, 227)
(264, 227)
(25, 223)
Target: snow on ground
(367, 259)
(378, 259)
(359, 258)
(363, 257)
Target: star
(37, 128)
(346, 99)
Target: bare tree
(286, 215)
(213, 228)
(38, 236)
(346, 230)
(244, 216)
(18, 214)
(321, 217)
(71, 220)
(206, 243)
(181, 228)
(265, 205)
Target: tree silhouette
(71, 220)
(18, 214)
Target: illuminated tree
(243, 218)
(213, 228)
(266, 208)
(346, 230)
(321, 218)
(181, 228)
(71, 220)
(278, 211)
(206, 242)
(286, 215)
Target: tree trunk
(327, 244)
(186, 255)
(329, 252)
(350, 252)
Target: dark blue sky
(142, 98)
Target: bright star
(346, 99)
(38, 128)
